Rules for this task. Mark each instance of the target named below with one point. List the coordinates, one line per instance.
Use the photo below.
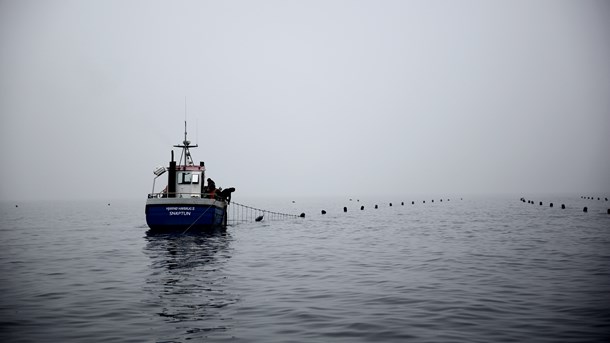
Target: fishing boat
(187, 203)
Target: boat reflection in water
(187, 282)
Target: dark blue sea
(481, 269)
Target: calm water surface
(472, 270)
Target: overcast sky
(306, 98)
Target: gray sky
(296, 98)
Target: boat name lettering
(180, 211)
(181, 208)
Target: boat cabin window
(185, 178)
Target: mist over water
(307, 98)
(472, 270)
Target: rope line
(201, 215)
(245, 213)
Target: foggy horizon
(304, 99)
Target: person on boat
(226, 194)
(211, 188)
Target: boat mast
(186, 144)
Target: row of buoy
(563, 206)
(593, 198)
(402, 203)
(17, 205)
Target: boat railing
(183, 195)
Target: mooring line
(201, 215)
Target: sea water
(488, 269)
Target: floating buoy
(597, 198)
(259, 218)
(606, 199)
(108, 204)
(424, 201)
(551, 204)
(376, 206)
(323, 212)
(402, 203)
(16, 205)
(432, 200)
(412, 202)
(541, 203)
(361, 208)
(344, 209)
(585, 209)
(302, 215)
(441, 200)
(390, 204)
(609, 211)
(563, 206)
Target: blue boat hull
(181, 217)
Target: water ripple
(486, 271)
